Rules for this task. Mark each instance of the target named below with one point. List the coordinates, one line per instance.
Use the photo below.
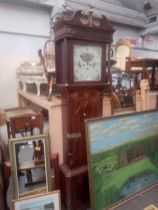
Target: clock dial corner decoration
(87, 60)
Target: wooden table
(27, 166)
(54, 109)
(22, 120)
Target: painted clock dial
(87, 62)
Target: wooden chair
(122, 51)
(115, 102)
(48, 61)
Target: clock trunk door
(80, 105)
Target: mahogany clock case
(81, 94)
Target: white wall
(149, 47)
(20, 19)
(14, 49)
(124, 31)
(145, 53)
(22, 32)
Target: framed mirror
(30, 165)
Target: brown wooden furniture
(27, 166)
(22, 120)
(1, 182)
(53, 108)
(55, 166)
(123, 90)
(6, 175)
(4, 172)
(82, 49)
(148, 68)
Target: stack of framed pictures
(123, 161)
(31, 174)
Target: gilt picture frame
(122, 151)
(46, 201)
(30, 165)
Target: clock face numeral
(87, 63)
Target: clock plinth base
(74, 187)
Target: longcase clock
(82, 48)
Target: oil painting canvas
(122, 157)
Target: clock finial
(85, 18)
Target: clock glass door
(87, 62)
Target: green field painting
(123, 157)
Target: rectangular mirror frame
(14, 176)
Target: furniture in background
(7, 175)
(146, 78)
(123, 89)
(2, 117)
(53, 108)
(55, 174)
(27, 167)
(22, 120)
(148, 68)
(1, 181)
(31, 74)
(122, 84)
(49, 65)
(5, 171)
(48, 61)
(123, 50)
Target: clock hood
(82, 18)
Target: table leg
(29, 176)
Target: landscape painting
(122, 157)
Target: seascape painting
(122, 157)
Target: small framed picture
(47, 201)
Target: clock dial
(87, 63)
